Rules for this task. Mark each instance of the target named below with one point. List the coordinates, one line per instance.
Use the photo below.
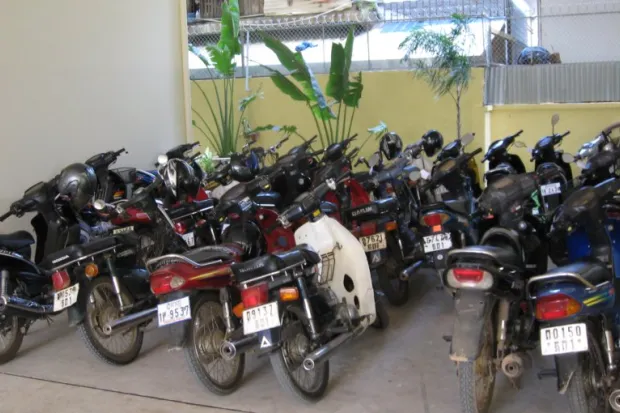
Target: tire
(383, 318)
(469, 372)
(395, 289)
(194, 354)
(580, 389)
(9, 351)
(91, 332)
(279, 362)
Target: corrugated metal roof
(555, 83)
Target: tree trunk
(458, 113)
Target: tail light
(255, 295)
(61, 280)
(368, 228)
(469, 278)
(435, 219)
(166, 284)
(180, 228)
(556, 306)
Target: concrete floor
(405, 368)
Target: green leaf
(229, 33)
(199, 54)
(285, 55)
(379, 129)
(286, 86)
(348, 52)
(288, 129)
(222, 60)
(354, 92)
(336, 85)
(313, 90)
(245, 102)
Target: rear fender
(472, 307)
(566, 365)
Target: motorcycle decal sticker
(10, 254)
(597, 299)
(264, 343)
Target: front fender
(471, 309)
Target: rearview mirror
(519, 144)
(374, 160)
(99, 205)
(467, 139)
(415, 175)
(568, 158)
(162, 160)
(555, 119)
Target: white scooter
(302, 305)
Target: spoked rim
(293, 351)
(102, 308)
(207, 339)
(8, 333)
(484, 370)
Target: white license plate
(550, 189)
(374, 242)
(123, 230)
(261, 318)
(66, 298)
(174, 311)
(570, 338)
(189, 239)
(437, 242)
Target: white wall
(582, 31)
(78, 77)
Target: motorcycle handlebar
(281, 142)
(5, 216)
(120, 152)
(608, 129)
(564, 134)
(461, 160)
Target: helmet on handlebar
(391, 145)
(432, 141)
(180, 179)
(243, 169)
(77, 182)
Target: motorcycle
(501, 162)
(301, 305)
(453, 150)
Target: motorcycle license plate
(374, 242)
(174, 311)
(123, 230)
(261, 318)
(551, 189)
(570, 338)
(437, 242)
(66, 298)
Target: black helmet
(391, 145)
(180, 179)
(244, 169)
(78, 182)
(432, 141)
(534, 56)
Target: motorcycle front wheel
(102, 306)
(586, 391)
(286, 362)
(477, 378)
(396, 290)
(11, 337)
(202, 349)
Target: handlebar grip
(193, 145)
(119, 152)
(5, 216)
(517, 134)
(476, 152)
(319, 152)
(565, 134)
(309, 142)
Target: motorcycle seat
(272, 263)
(213, 253)
(385, 205)
(190, 208)
(16, 240)
(592, 272)
(77, 252)
(502, 256)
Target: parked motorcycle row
(292, 259)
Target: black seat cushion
(385, 205)
(16, 240)
(213, 253)
(75, 252)
(501, 256)
(593, 272)
(272, 263)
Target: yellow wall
(585, 122)
(405, 104)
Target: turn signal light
(469, 278)
(255, 295)
(238, 310)
(556, 306)
(61, 280)
(391, 226)
(91, 270)
(289, 294)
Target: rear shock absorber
(4, 283)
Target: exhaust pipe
(409, 271)
(230, 349)
(130, 321)
(25, 306)
(513, 365)
(614, 400)
(322, 354)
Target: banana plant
(333, 118)
(222, 125)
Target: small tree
(448, 72)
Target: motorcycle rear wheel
(309, 386)
(584, 395)
(101, 307)
(9, 347)
(477, 378)
(202, 350)
(396, 290)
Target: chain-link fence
(500, 30)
